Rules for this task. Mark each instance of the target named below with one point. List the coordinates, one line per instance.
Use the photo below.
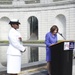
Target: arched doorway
(4, 28)
(33, 24)
(61, 23)
(33, 35)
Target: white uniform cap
(14, 21)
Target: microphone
(61, 35)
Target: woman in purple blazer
(50, 38)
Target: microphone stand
(62, 35)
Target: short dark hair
(53, 28)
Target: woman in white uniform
(15, 49)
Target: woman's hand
(23, 51)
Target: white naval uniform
(14, 52)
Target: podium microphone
(61, 35)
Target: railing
(31, 58)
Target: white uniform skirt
(13, 64)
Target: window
(57, 0)
(32, 1)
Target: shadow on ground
(3, 73)
(40, 73)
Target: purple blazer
(49, 39)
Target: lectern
(61, 56)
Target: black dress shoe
(47, 74)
